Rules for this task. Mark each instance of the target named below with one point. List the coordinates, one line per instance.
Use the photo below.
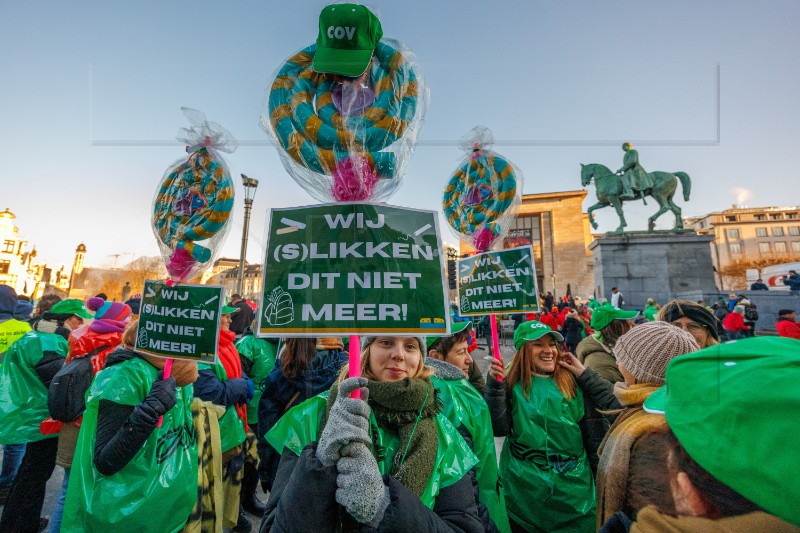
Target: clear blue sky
(90, 94)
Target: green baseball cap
(455, 327)
(532, 330)
(348, 35)
(72, 306)
(607, 313)
(732, 407)
(228, 309)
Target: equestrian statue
(632, 182)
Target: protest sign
(353, 268)
(179, 322)
(498, 282)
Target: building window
(5, 267)
(780, 247)
(792, 216)
(763, 247)
(761, 217)
(733, 234)
(777, 232)
(796, 247)
(761, 232)
(735, 248)
(730, 218)
(776, 216)
(8, 247)
(794, 230)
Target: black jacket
(242, 319)
(572, 330)
(303, 498)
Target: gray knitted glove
(348, 422)
(361, 489)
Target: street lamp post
(250, 185)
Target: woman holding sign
(537, 405)
(127, 473)
(389, 458)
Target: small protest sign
(500, 282)
(353, 268)
(179, 322)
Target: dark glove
(158, 401)
(347, 422)
(250, 390)
(234, 465)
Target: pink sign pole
(167, 373)
(355, 362)
(495, 340)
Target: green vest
(262, 353)
(23, 396)
(546, 474)
(10, 331)
(464, 406)
(231, 428)
(299, 427)
(157, 489)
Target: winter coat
(788, 328)
(303, 493)
(650, 312)
(597, 356)
(572, 330)
(649, 520)
(793, 282)
(549, 320)
(598, 395)
(734, 322)
(280, 394)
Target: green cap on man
(348, 35)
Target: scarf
(401, 406)
(615, 450)
(229, 357)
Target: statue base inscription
(652, 265)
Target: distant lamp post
(250, 185)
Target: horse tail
(686, 184)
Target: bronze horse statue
(609, 187)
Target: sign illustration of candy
(346, 111)
(194, 201)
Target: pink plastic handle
(167, 373)
(355, 362)
(495, 340)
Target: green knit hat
(348, 35)
(607, 313)
(733, 406)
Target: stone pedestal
(652, 265)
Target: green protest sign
(353, 268)
(494, 283)
(179, 322)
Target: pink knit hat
(109, 317)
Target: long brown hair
(521, 371)
(296, 354)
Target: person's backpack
(66, 397)
(750, 313)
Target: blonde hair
(423, 371)
(521, 371)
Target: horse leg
(678, 217)
(651, 222)
(598, 205)
(618, 207)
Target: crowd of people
(614, 420)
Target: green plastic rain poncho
(545, 471)
(261, 353)
(299, 427)
(231, 429)
(23, 396)
(157, 489)
(464, 406)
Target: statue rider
(634, 178)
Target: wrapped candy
(347, 137)
(194, 201)
(483, 194)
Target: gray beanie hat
(366, 341)
(646, 350)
